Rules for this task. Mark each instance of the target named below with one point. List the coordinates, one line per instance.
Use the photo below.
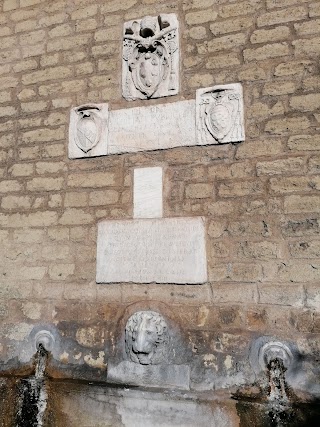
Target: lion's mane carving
(146, 338)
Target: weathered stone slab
(157, 127)
(168, 250)
(166, 376)
(147, 193)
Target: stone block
(314, 10)
(16, 202)
(201, 16)
(287, 125)
(281, 295)
(199, 191)
(281, 16)
(308, 102)
(265, 36)
(170, 250)
(305, 249)
(227, 42)
(307, 47)
(272, 50)
(45, 184)
(240, 188)
(294, 184)
(93, 179)
(61, 272)
(282, 166)
(240, 8)
(10, 5)
(231, 25)
(304, 142)
(7, 186)
(299, 204)
(74, 216)
(102, 198)
(279, 88)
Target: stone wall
(260, 197)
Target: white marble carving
(166, 250)
(156, 127)
(147, 193)
(220, 114)
(88, 131)
(150, 67)
(146, 338)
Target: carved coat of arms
(150, 57)
(220, 114)
(88, 130)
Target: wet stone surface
(266, 415)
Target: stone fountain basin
(76, 403)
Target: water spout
(32, 394)
(276, 357)
(276, 376)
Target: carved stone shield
(220, 119)
(148, 70)
(87, 131)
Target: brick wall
(261, 197)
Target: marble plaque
(166, 250)
(219, 113)
(163, 376)
(155, 127)
(147, 193)
(88, 131)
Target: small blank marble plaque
(166, 250)
(147, 193)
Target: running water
(276, 373)
(32, 394)
(278, 409)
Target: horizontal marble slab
(166, 376)
(166, 250)
(152, 127)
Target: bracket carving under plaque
(219, 114)
(88, 132)
(150, 66)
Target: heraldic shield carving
(150, 66)
(88, 130)
(220, 114)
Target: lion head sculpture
(146, 338)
